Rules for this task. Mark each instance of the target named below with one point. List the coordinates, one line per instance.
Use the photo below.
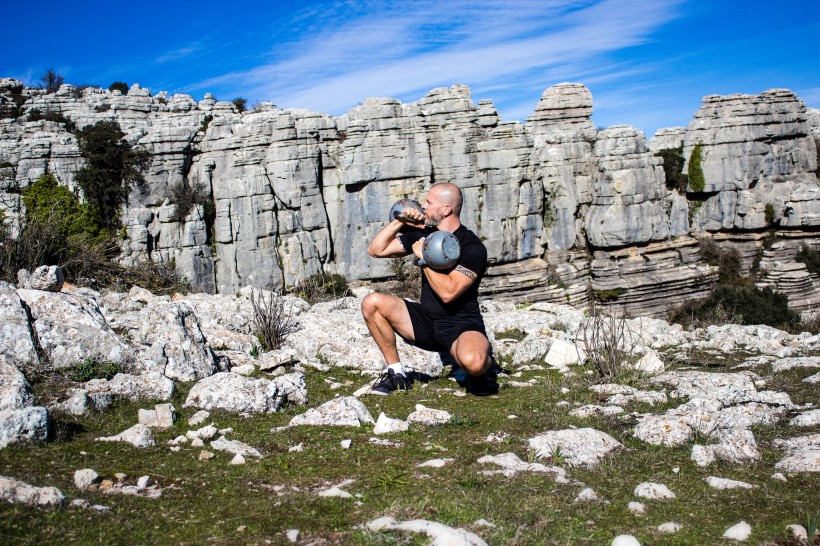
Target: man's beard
(432, 221)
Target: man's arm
(447, 285)
(385, 244)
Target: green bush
(92, 369)
(122, 87)
(769, 214)
(240, 103)
(746, 304)
(609, 295)
(809, 257)
(35, 114)
(673, 162)
(322, 287)
(12, 109)
(728, 261)
(696, 179)
(47, 202)
(112, 168)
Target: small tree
(673, 168)
(273, 321)
(51, 81)
(122, 87)
(240, 103)
(112, 168)
(696, 179)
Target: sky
(647, 63)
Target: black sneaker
(485, 384)
(391, 381)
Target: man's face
(434, 209)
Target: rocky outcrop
(567, 211)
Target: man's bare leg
(385, 316)
(472, 352)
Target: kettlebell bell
(398, 209)
(440, 250)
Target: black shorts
(439, 334)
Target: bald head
(449, 194)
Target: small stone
(144, 481)
(120, 476)
(80, 503)
(587, 495)
(224, 431)
(723, 483)
(702, 455)
(625, 540)
(205, 455)
(484, 523)
(740, 532)
(205, 433)
(198, 417)
(637, 508)
(106, 484)
(335, 491)
(147, 417)
(676, 470)
(238, 459)
(779, 477)
(669, 527)
(197, 442)
(174, 448)
(85, 478)
(434, 463)
(293, 535)
(429, 416)
(298, 447)
(798, 532)
(345, 444)
(654, 491)
(166, 415)
(241, 528)
(385, 425)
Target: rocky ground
(197, 435)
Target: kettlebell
(440, 250)
(398, 209)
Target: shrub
(35, 114)
(809, 257)
(322, 287)
(673, 162)
(696, 179)
(609, 295)
(12, 108)
(112, 168)
(47, 202)
(185, 197)
(272, 320)
(769, 214)
(240, 103)
(122, 87)
(51, 81)
(744, 304)
(608, 342)
(92, 369)
(100, 108)
(729, 262)
(513, 333)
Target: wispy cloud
(404, 49)
(177, 54)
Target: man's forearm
(383, 238)
(443, 284)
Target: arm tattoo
(463, 270)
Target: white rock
(235, 446)
(205, 455)
(563, 354)
(625, 540)
(198, 417)
(806, 419)
(669, 527)
(13, 491)
(197, 442)
(148, 386)
(650, 363)
(429, 416)
(592, 410)
(385, 425)
(24, 424)
(346, 443)
(441, 535)
(740, 531)
(663, 430)
(653, 491)
(15, 391)
(293, 535)
(147, 417)
(144, 481)
(702, 455)
(238, 459)
(335, 491)
(724, 483)
(16, 342)
(297, 448)
(779, 477)
(737, 446)
(346, 411)
(246, 369)
(637, 507)
(511, 464)
(205, 433)
(587, 495)
(84, 478)
(49, 278)
(138, 436)
(235, 394)
(797, 531)
(582, 447)
(813, 378)
(434, 463)
(291, 388)
(166, 415)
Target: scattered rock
(802, 454)
(637, 508)
(385, 425)
(292, 535)
(779, 477)
(625, 540)
(49, 278)
(582, 447)
(205, 433)
(806, 419)
(346, 443)
(205, 455)
(137, 436)
(669, 527)
(199, 417)
(563, 354)
(335, 491)
(429, 416)
(235, 394)
(434, 463)
(166, 415)
(12, 490)
(235, 446)
(740, 531)
(511, 465)
(702, 455)
(440, 534)
(653, 491)
(724, 483)
(346, 411)
(663, 430)
(27, 424)
(85, 478)
(587, 495)
(798, 532)
(592, 410)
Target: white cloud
(177, 54)
(404, 49)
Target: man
(448, 318)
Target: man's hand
(411, 217)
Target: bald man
(448, 318)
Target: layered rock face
(566, 211)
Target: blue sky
(647, 63)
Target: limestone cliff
(567, 211)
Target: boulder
(15, 491)
(583, 447)
(16, 343)
(346, 411)
(49, 278)
(235, 393)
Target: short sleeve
(409, 239)
(474, 257)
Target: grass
(210, 501)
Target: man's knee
(372, 303)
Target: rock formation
(567, 211)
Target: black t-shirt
(473, 257)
